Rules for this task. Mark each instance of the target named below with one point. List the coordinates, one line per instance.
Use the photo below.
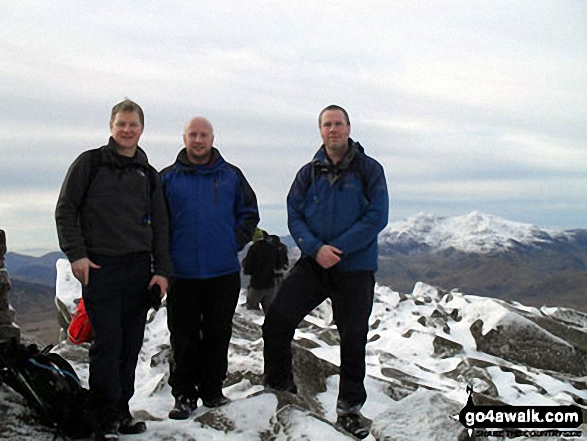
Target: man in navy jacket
(336, 207)
(213, 214)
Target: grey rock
(444, 348)
(528, 344)
(403, 422)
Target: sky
(468, 105)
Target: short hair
(128, 106)
(334, 107)
(201, 119)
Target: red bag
(80, 330)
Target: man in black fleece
(112, 225)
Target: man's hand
(81, 269)
(162, 282)
(328, 256)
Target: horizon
(468, 105)
(40, 252)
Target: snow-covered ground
(414, 386)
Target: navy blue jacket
(213, 214)
(344, 205)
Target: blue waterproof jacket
(344, 205)
(213, 214)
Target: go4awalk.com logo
(508, 418)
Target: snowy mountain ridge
(473, 233)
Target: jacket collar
(323, 164)
(111, 156)
(216, 160)
(321, 158)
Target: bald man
(213, 214)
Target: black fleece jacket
(121, 212)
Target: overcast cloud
(469, 105)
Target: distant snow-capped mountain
(472, 233)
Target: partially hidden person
(266, 262)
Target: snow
(67, 287)
(475, 232)
(398, 344)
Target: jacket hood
(111, 156)
(216, 160)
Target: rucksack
(280, 258)
(79, 330)
(49, 385)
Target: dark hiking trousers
(306, 287)
(199, 318)
(117, 302)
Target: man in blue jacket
(213, 214)
(336, 207)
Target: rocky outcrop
(531, 345)
(424, 349)
(8, 329)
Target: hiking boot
(354, 424)
(184, 406)
(130, 426)
(106, 432)
(215, 401)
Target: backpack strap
(95, 163)
(357, 166)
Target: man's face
(335, 131)
(198, 139)
(126, 129)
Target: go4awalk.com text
(521, 416)
(521, 421)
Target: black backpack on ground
(49, 385)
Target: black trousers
(306, 287)
(117, 302)
(199, 317)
